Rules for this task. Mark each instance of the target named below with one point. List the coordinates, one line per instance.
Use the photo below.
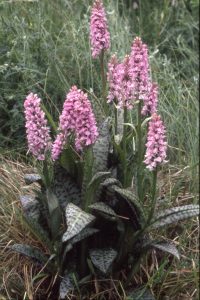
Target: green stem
(103, 80)
(50, 119)
(133, 271)
(83, 264)
(139, 162)
(124, 148)
(141, 232)
(153, 196)
(116, 120)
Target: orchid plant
(89, 212)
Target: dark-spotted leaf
(166, 247)
(110, 182)
(101, 148)
(97, 178)
(86, 232)
(30, 251)
(77, 220)
(65, 188)
(175, 214)
(130, 196)
(103, 259)
(31, 178)
(55, 213)
(103, 208)
(30, 206)
(66, 285)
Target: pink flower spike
(139, 69)
(77, 118)
(58, 146)
(99, 35)
(39, 140)
(151, 102)
(120, 83)
(156, 143)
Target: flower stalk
(125, 147)
(139, 158)
(103, 81)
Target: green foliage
(164, 246)
(101, 148)
(103, 258)
(175, 214)
(103, 208)
(30, 251)
(66, 285)
(31, 178)
(77, 220)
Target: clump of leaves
(90, 224)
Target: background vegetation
(44, 47)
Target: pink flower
(139, 69)
(114, 76)
(99, 35)
(38, 136)
(78, 119)
(150, 104)
(156, 143)
(120, 83)
(58, 146)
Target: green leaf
(111, 181)
(86, 232)
(55, 213)
(68, 161)
(103, 208)
(101, 148)
(50, 119)
(52, 201)
(30, 206)
(103, 258)
(175, 214)
(97, 178)
(88, 163)
(120, 126)
(167, 247)
(66, 285)
(38, 231)
(77, 220)
(31, 178)
(65, 188)
(140, 294)
(130, 196)
(94, 188)
(30, 251)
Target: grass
(44, 48)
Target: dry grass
(166, 277)
(17, 274)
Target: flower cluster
(99, 35)
(77, 118)
(38, 136)
(139, 69)
(120, 83)
(156, 143)
(130, 81)
(150, 105)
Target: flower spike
(39, 140)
